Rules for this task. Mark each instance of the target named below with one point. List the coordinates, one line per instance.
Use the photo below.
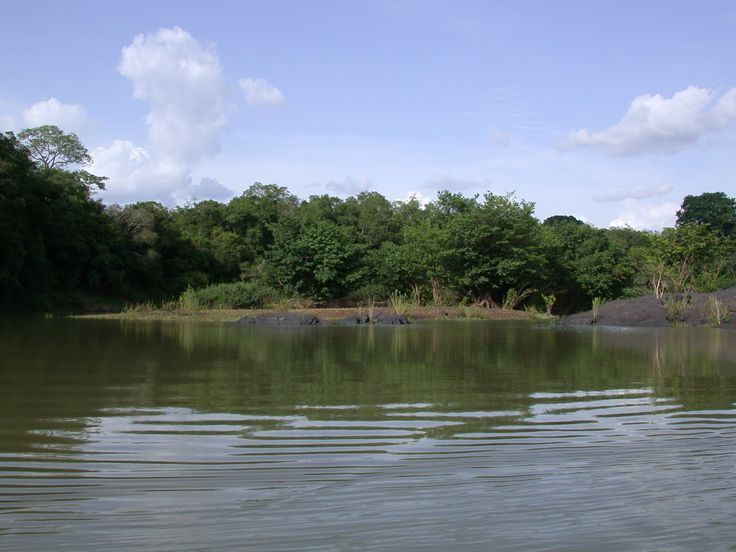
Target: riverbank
(717, 309)
(326, 314)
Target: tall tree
(714, 209)
(51, 147)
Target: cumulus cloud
(654, 123)
(128, 166)
(208, 188)
(439, 182)
(260, 92)
(418, 197)
(645, 217)
(349, 186)
(182, 81)
(68, 117)
(638, 192)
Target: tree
(51, 147)
(689, 257)
(714, 209)
(487, 248)
(584, 262)
(315, 259)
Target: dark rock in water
(358, 320)
(648, 311)
(280, 319)
(392, 320)
(381, 319)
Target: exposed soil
(650, 311)
(328, 315)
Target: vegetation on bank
(62, 249)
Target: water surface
(480, 435)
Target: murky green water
(472, 435)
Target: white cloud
(182, 81)
(418, 197)
(638, 192)
(439, 182)
(645, 217)
(260, 92)
(657, 124)
(349, 186)
(208, 188)
(68, 117)
(128, 167)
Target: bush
(677, 306)
(236, 295)
(716, 311)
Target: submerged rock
(280, 319)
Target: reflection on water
(171, 436)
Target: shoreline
(326, 314)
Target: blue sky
(610, 111)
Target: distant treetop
(714, 209)
(51, 147)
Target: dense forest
(62, 249)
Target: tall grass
(716, 311)
(236, 295)
(514, 298)
(677, 307)
(549, 302)
(597, 302)
(399, 302)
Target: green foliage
(677, 306)
(486, 248)
(596, 307)
(549, 302)
(236, 295)
(688, 258)
(51, 147)
(399, 302)
(584, 262)
(514, 298)
(715, 210)
(60, 246)
(716, 311)
(56, 241)
(316, 260)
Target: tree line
(61, 248)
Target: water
(472, 435)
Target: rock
(380, 319)
(648, 311)
(280, 319)
(392, 320)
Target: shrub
(597, 302)
(677, 306)
(236, 295)
(399, 302)
(716, 311)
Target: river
(471, 435)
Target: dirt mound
(694, 309)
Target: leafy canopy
(51, 147)
(714, 209)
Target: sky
(611, 111)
